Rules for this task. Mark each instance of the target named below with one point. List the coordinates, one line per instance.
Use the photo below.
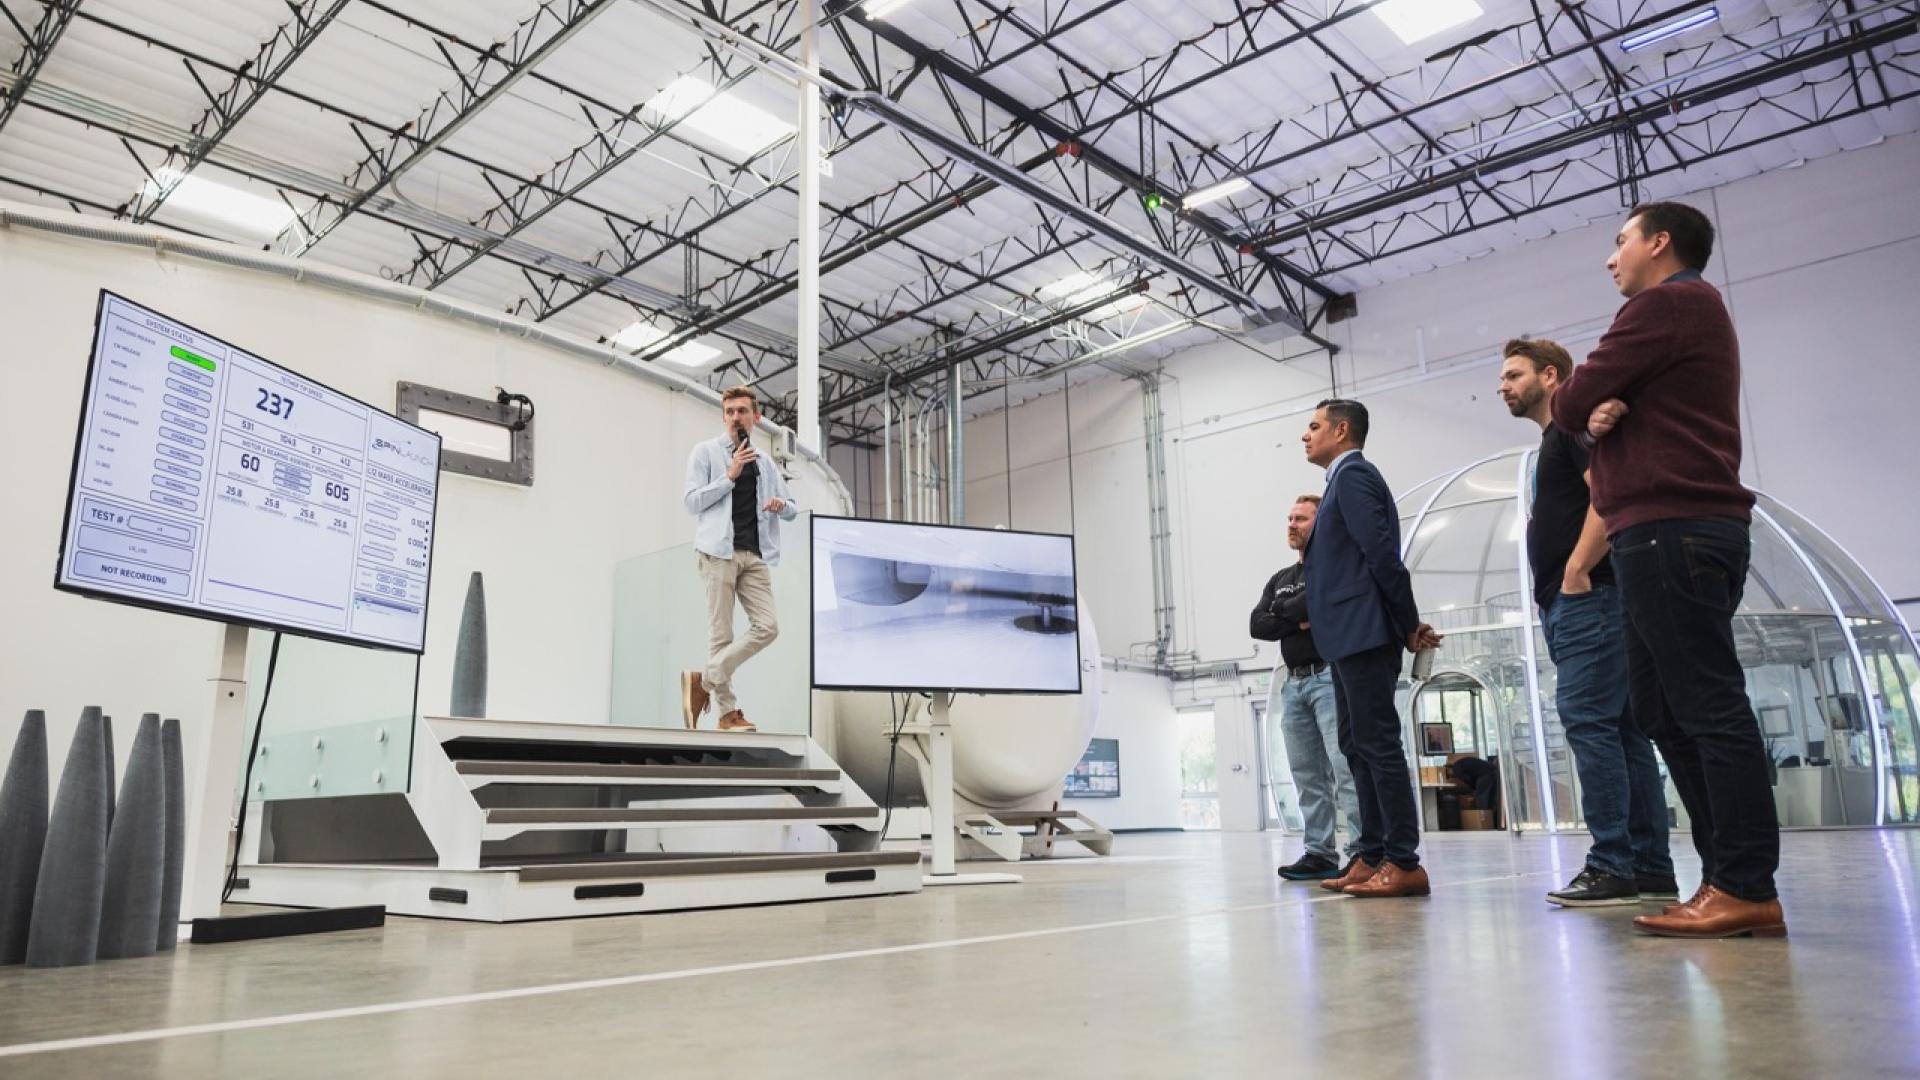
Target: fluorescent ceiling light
(880, 9)
(1078, 288)
(254, 215)
(638, 335)
(1673, 29)
(718, 115)
(1216, 192)
(1418, 20)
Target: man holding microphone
(737, 506)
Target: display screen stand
(212, 823)
(933, 741)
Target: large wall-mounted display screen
(902, 606)
(212, 482)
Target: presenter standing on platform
(1360, 602)
(737, 507)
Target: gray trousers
(1309, 725)
(744, 578)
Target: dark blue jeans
(1682, 580)
(1363, 686)
(1621, 794)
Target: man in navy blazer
(1360, 605)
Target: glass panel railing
(339, 721)
(660, 630)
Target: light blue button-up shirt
(709, 498)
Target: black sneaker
(1655, 889)
(1592, 888)
(1311, 867)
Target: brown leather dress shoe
(736, 721)
(1357, 871)
(1391, 882)
(693, 698)
(1688, 902)
(1715, 914)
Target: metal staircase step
(628, 869)
(502, 822)
(479, 773)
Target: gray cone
(136, 852)
(174, 776)
(470, 653)
(113, 781)
(73, 868)
(23, 833)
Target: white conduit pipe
(16, 215)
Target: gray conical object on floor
(73, 868)
(173, 766)
(23, 833)
(113, 781)
(470, 653)
(136, 852)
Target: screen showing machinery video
(900, 606)
(1097, 776)
(212, 482)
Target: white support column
(211, 812)
(807, 142)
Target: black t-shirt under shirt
(1560, 498)
(746, 509)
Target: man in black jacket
(1301, 701)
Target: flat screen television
(901, 606)
(212, 482)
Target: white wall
(611, 454)
(1136, 710)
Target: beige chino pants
(744, 578)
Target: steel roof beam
(1088, 153)
(499, 68)
(1835, 49)
(253, 81)
(36, 46)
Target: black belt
(1307, 671)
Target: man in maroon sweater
(1660, 398)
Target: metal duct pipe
(956, 450)
(886, 447)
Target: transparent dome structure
(1831, 667)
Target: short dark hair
(1689, 230)
(1352, 413)
(1544, 354)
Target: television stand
(932, 751)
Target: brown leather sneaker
(1358, 871)
(1391, 883)
(1716, 914)
(736, 721)
(693, 698)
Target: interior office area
(1015, 787)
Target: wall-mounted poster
(1097, 776)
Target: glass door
(1199, 785)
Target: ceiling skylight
(221, 206)
(1417, 20)
(638, 335)
(718, 115)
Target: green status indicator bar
(198, 361)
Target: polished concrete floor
(1181, 956)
